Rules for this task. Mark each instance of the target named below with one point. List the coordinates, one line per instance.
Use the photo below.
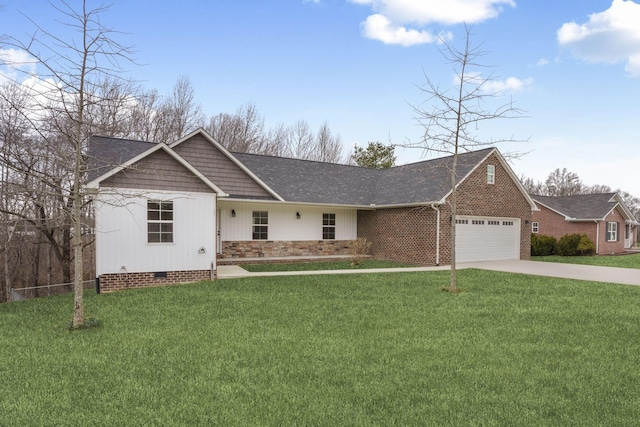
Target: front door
(627, 236)
(218, 240)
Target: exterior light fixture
(233, 213)
(297, 215)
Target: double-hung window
(260, 225)
(159, 221)
(328, 226)
(491, 174)
(535, 226)
(612, 231)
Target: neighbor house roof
(304, 181)
(584, 207)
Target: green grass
(323, 265)
(356, 350)
(624, 261)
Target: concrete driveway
(625, 276)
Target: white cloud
(511, 84)
(611, 36)
(403, 21)
(15, 63)
(542, 62)
(378, 27)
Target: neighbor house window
(491, 174)
(260, 225)
(534, 227)
(159, 221)
(328, 226)
(612, 231)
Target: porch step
(283, 259)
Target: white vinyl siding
(283, 222)
(121, 232)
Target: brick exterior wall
(404, 234)
(551, 223)
(283, 248)
(409, 234)
(118, 282)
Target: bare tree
(178, 114)
(563, 183)
(328, 147)
(450, 117)
(301, 140)
(72, 69)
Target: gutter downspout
(597, 237)
(437, 209)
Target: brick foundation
(117, 282)
(268, 248)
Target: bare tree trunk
(7, 276)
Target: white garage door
(487, 239)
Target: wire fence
(19, 294)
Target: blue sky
(573, 65)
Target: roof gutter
(370, 207)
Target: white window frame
(535, 227)
(491, 174)
(260, 225)
(328, 226)
(612, 231)
(159, 221)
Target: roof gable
(231, 166)
(142, 165)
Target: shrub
(575, 244)
(586, 246)
(542, 245)
(360, 249)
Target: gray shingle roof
(107, 153)
(307, 181)
(583, 206)
(316, 182)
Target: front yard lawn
(624, 261)
(357, 350)
(323, 265)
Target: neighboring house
(604, 218)
(173, 213)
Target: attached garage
(487, 238)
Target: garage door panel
(487, 239)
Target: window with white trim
(328, 226)
(535, 227)
(159, 221)
(612, 231)
(491, 174)
(260, 225)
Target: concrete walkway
(625, 276)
